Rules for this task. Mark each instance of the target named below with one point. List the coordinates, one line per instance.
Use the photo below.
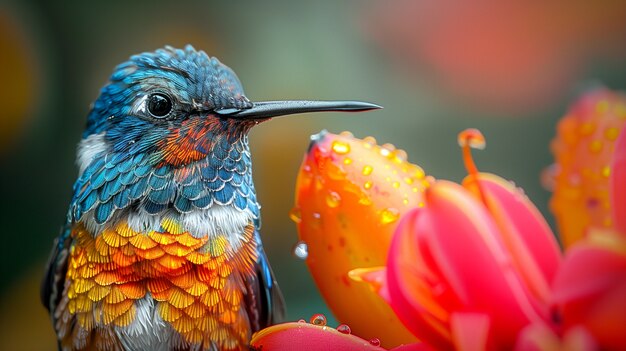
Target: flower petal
(350, 195)
(540, 337)
(590, 288)
(470, 331)
(461, 246)
(304, 336)
(618, 183)
(524, 231)
(583, 150)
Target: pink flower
(473, 266)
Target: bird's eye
(159, 105)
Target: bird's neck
(211, 196)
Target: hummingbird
(161, 247)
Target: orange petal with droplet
(350, 195)
(618, 183)
(583, 150)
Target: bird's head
(177, 106)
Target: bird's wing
(264, 301)
(54, 279)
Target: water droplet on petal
(340, 147)
(367, 170)
(389, 147)
(595, 146)
(333, 199)
(375, 342)
(368, 142)
(384, 152)
(368, 184)
(347, 161)
(401, 155)
(365, 200)
(301, 321)
(389, 215)
(346, 133)
(318, 319)
(344, 329)
(295, 214)
(301, 250)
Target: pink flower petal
(590, 288)
(470, 330)
(525, 233)
(540, 337)
(418, 346)
(467, 252)
(413, 291)
(304, 336)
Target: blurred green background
(437, 68)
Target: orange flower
(350, 195)
(584, 148)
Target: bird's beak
(267, 109)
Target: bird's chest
(167, 286)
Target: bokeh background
(508, 68)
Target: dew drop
(295, 214)
(389, 147)
(347, 161)
(367, 170)
(586, 128)
(344, 329)
(369, 141)
(368, 184)
(301, 250)
(389, 215)
(365, 200)
(340, 147)
(316, 215)
(301, 321)
(384, 152)
(611, 133)
(602, 106)
(347, 134)
(401, 155)
(333, 199)
(318, 319)
(375, 342)
(416, 171)
(595, 146)
(396, 185)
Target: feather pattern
(161, 248)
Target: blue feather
(139, 188)
(203, 202)
(103, 210)
(225, 195)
